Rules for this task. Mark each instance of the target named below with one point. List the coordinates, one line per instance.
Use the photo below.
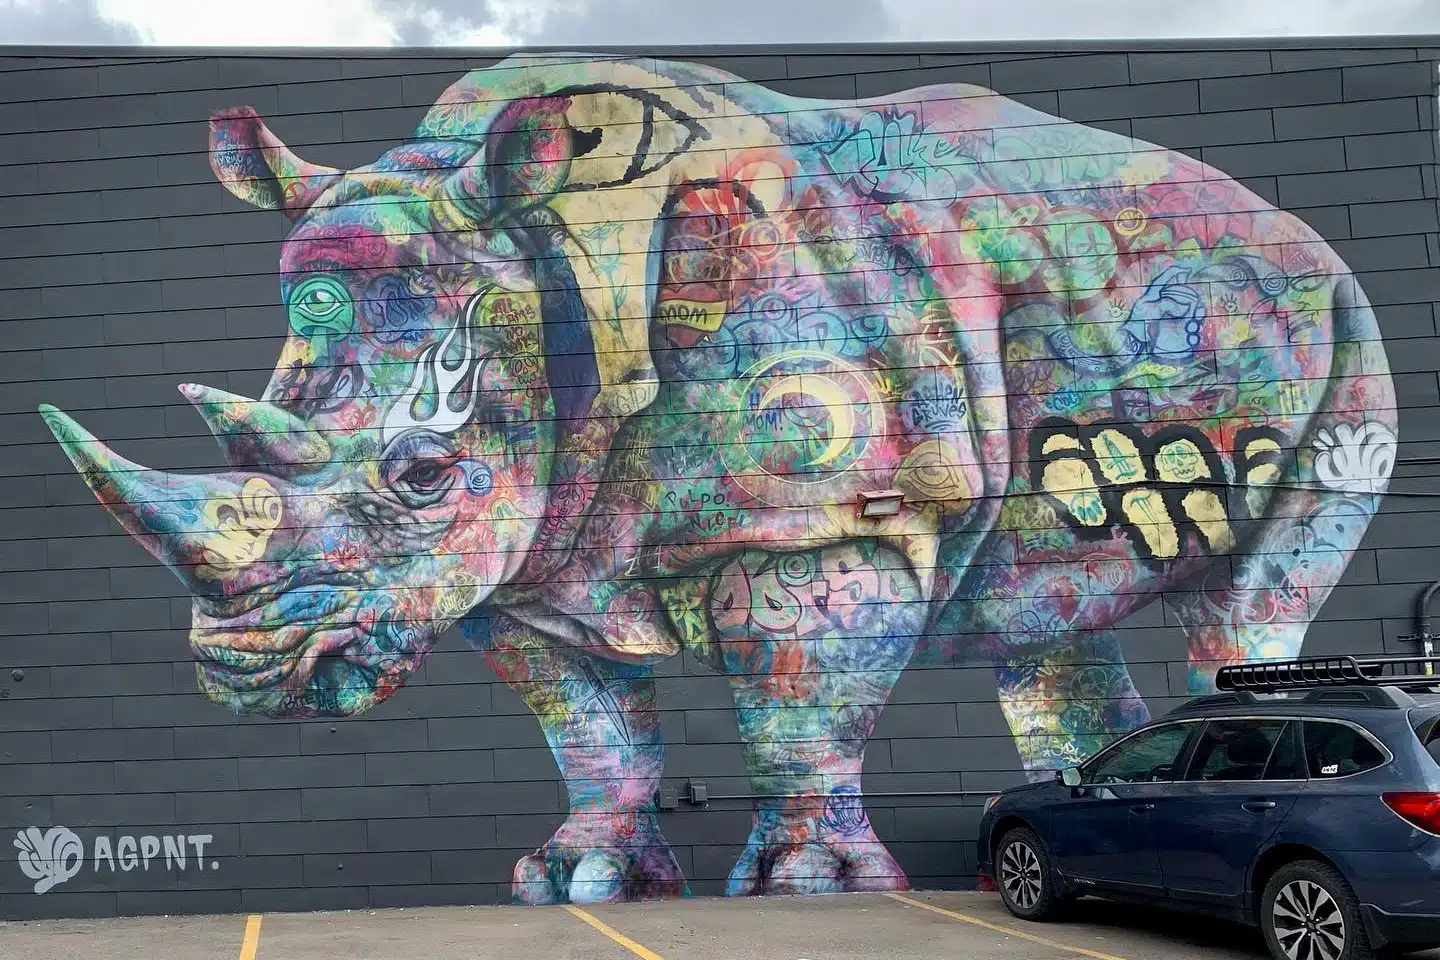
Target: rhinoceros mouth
(231, 609)
(274, 634)
(243, 671)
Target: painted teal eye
(321, 308)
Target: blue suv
(1304, 799)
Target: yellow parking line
(251, 944)
(1008, 931)
(609, 931)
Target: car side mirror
(1070, 776)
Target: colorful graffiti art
(599, 362)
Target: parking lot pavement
(154, 938)
(912, 926)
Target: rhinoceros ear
(255, 166)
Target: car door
(1100, 830)
(1243, 776)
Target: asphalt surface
(912, 926)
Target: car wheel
(1024, 876)
(1308, 912)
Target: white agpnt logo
(49, 858)
(54, 856)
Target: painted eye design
(624, 134)
(321, 308)
(426, 483)
(426, 476)
(420, 470)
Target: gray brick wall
(125, 269)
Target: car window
(1428, 730)
(1338, 750)
(1147, 757)
(1288, 760)
(1235, 749)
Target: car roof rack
(1313, 673)
(1241, 698)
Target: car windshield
(1146, 757)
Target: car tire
(1309, 912)
(1025, 878)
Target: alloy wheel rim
(1307, 921)
(1020, 875)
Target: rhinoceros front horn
(256, 435)
(209, 530)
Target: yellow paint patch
(241, 526)
(1145, 509)
(1205, 508)
(696, 314)
(1266, 472)
(1071, 481)
(1118, 457)
(1060, 441)
(1180, 461)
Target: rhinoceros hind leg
(1064, 704)
(1260, 606)
(812, 643)
(602, 725)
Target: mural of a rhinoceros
(599, 362)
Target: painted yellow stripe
(638, 949)
(1008, 931)
(251, 944)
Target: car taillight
(1420, 809)
(989, 802)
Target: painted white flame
(445, 377)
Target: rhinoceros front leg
(600, 720)
(812, 643)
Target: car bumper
(1401, 929)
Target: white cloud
(269, 23)
(503, 23)
(1090, 19)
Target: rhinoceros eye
(420, 469)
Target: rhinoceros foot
(596, 857)
(796, 849)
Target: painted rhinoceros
(599, 364)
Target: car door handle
(1258, 806)
(1142, 808)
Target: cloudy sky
(519, 22)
